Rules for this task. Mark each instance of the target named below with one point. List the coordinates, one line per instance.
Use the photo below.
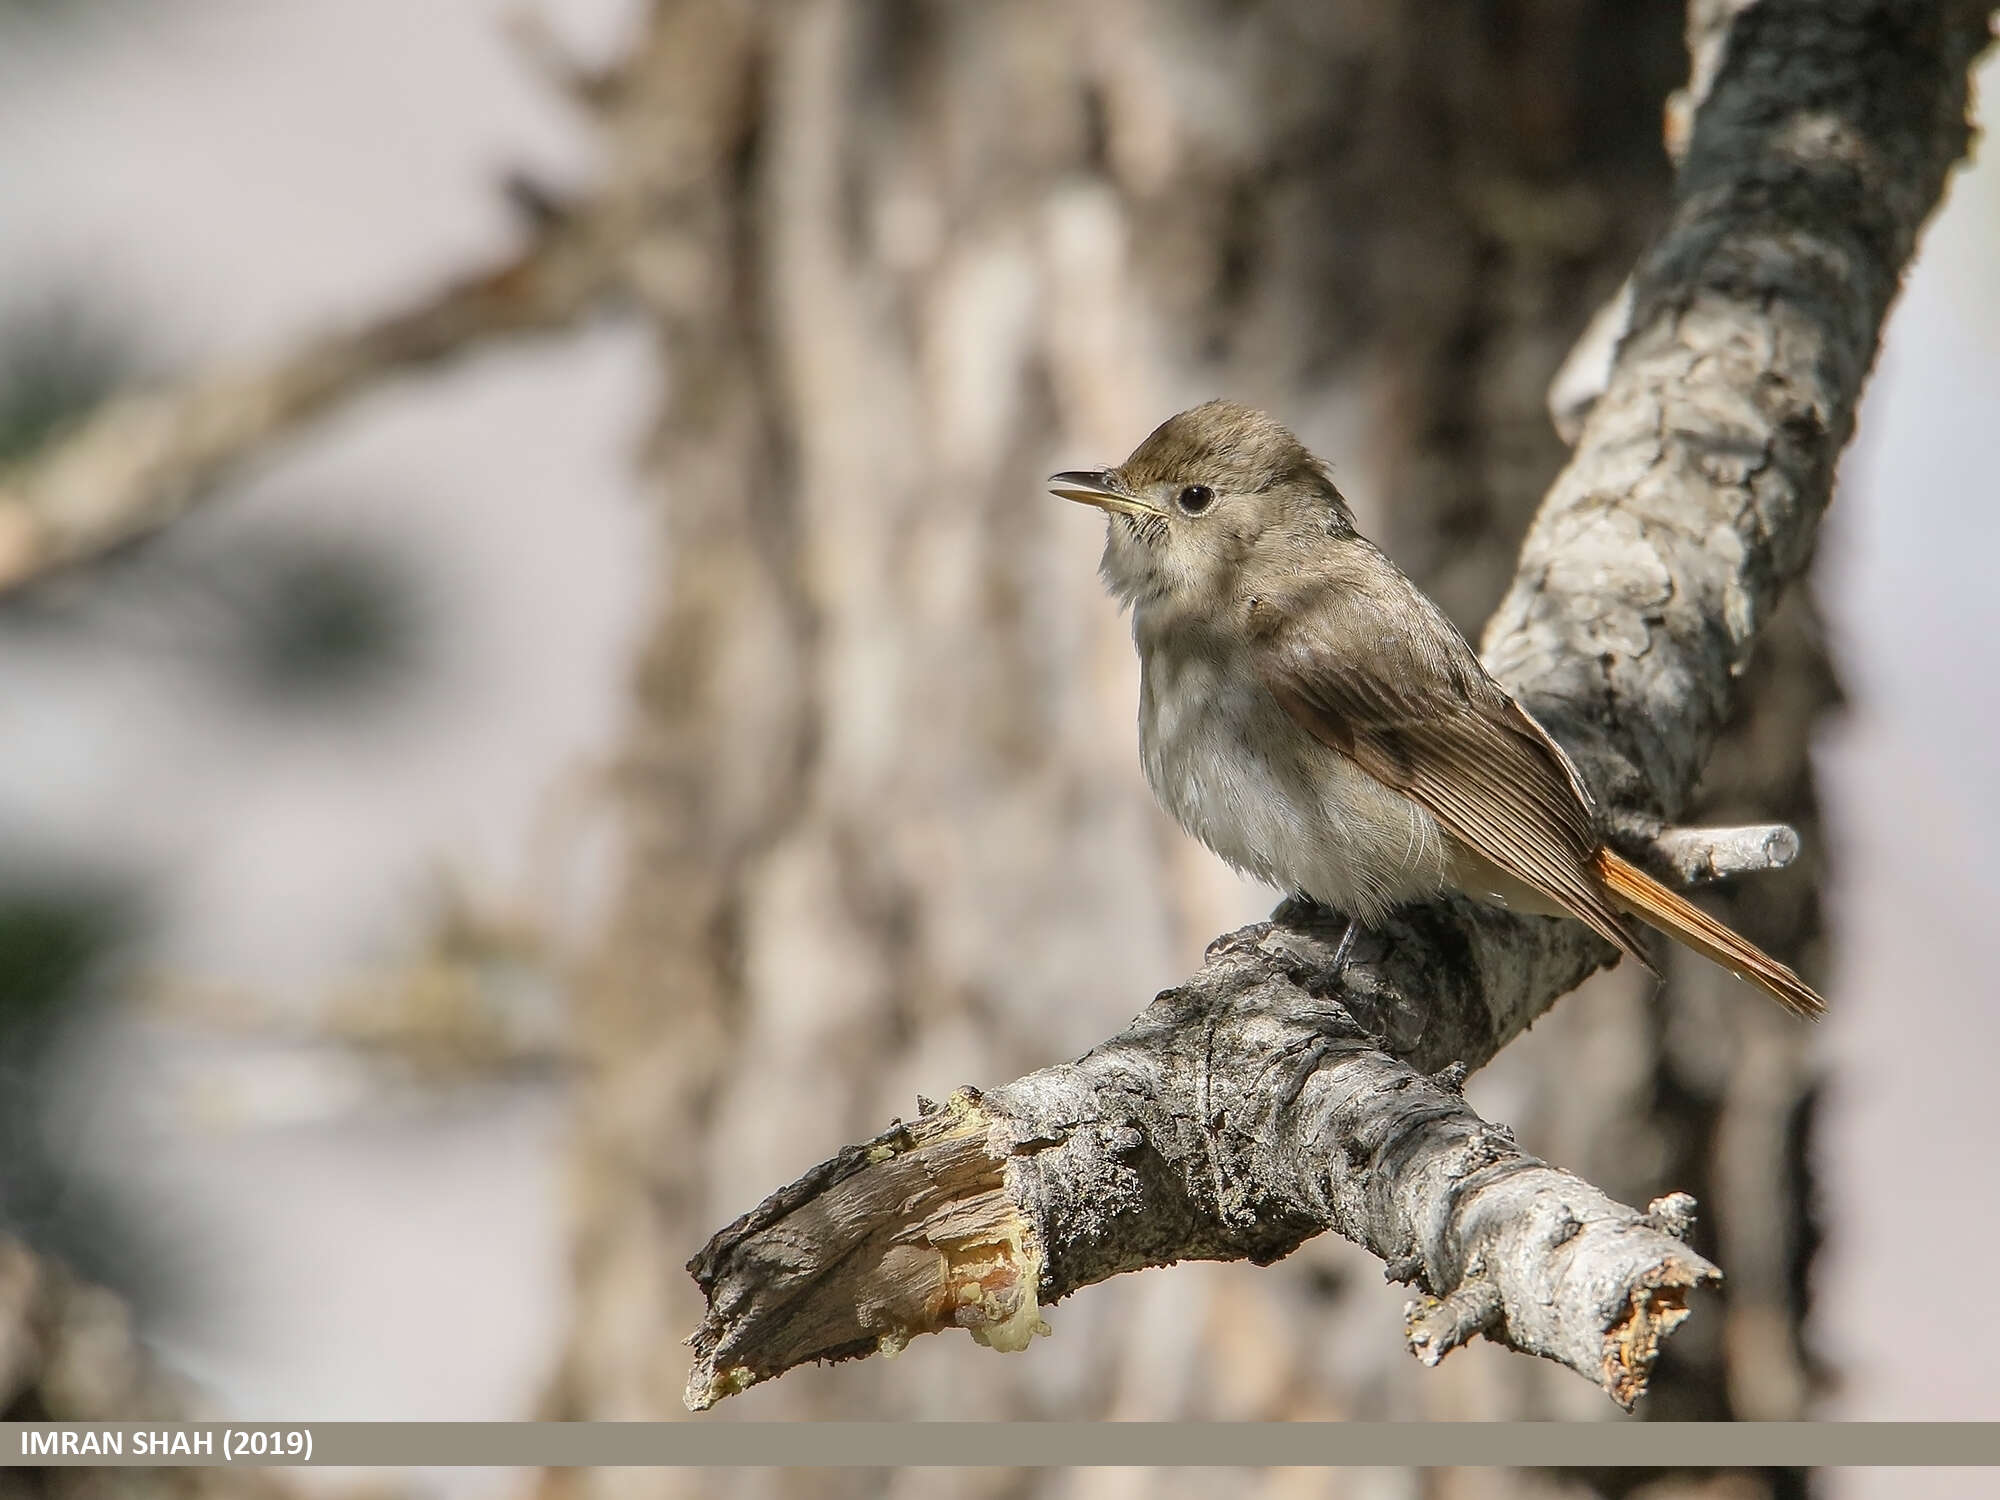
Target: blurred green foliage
(294, 617)
(53, 941)
(57, 362)
(318, 619)
(60, 939)
(282, 615)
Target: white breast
(1236, 772)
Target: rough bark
(1692, 499)
(905, 258)
(1242, 1113)
(1700, 474)
(1685, 1087)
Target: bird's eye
(1195, 499)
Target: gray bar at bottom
(1005, 1444)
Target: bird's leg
(1346, 943)
(1301, 909)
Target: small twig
(1701, 855)
(1673, 1214)
(1434, 1327)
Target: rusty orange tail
(1685, 922)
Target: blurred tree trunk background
(886, 829)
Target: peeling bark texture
(1238, 1116)
(1701, 473)
(1707, 1094)
(1690, 1088)
(1692, 499)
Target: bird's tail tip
(1681, 919)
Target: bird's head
(1213, 493)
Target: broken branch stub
(910, 1233)
(1239, 1115)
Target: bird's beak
(1098, 487)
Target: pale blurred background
(305, 816)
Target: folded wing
(1424, 718)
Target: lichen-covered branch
(1700, 475)
(1270, 1098)
(1238, 1115)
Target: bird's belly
(1234, 770)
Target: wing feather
(1424, 718)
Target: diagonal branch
(1270, 1098)
(145, 459)
(1240, 1114)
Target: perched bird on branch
(1309, 715)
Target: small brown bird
(1309, 715)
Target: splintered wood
(911, 1233)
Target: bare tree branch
(145, 459)
(1270, 1097)
(1695, 856)
(1238, 1115)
